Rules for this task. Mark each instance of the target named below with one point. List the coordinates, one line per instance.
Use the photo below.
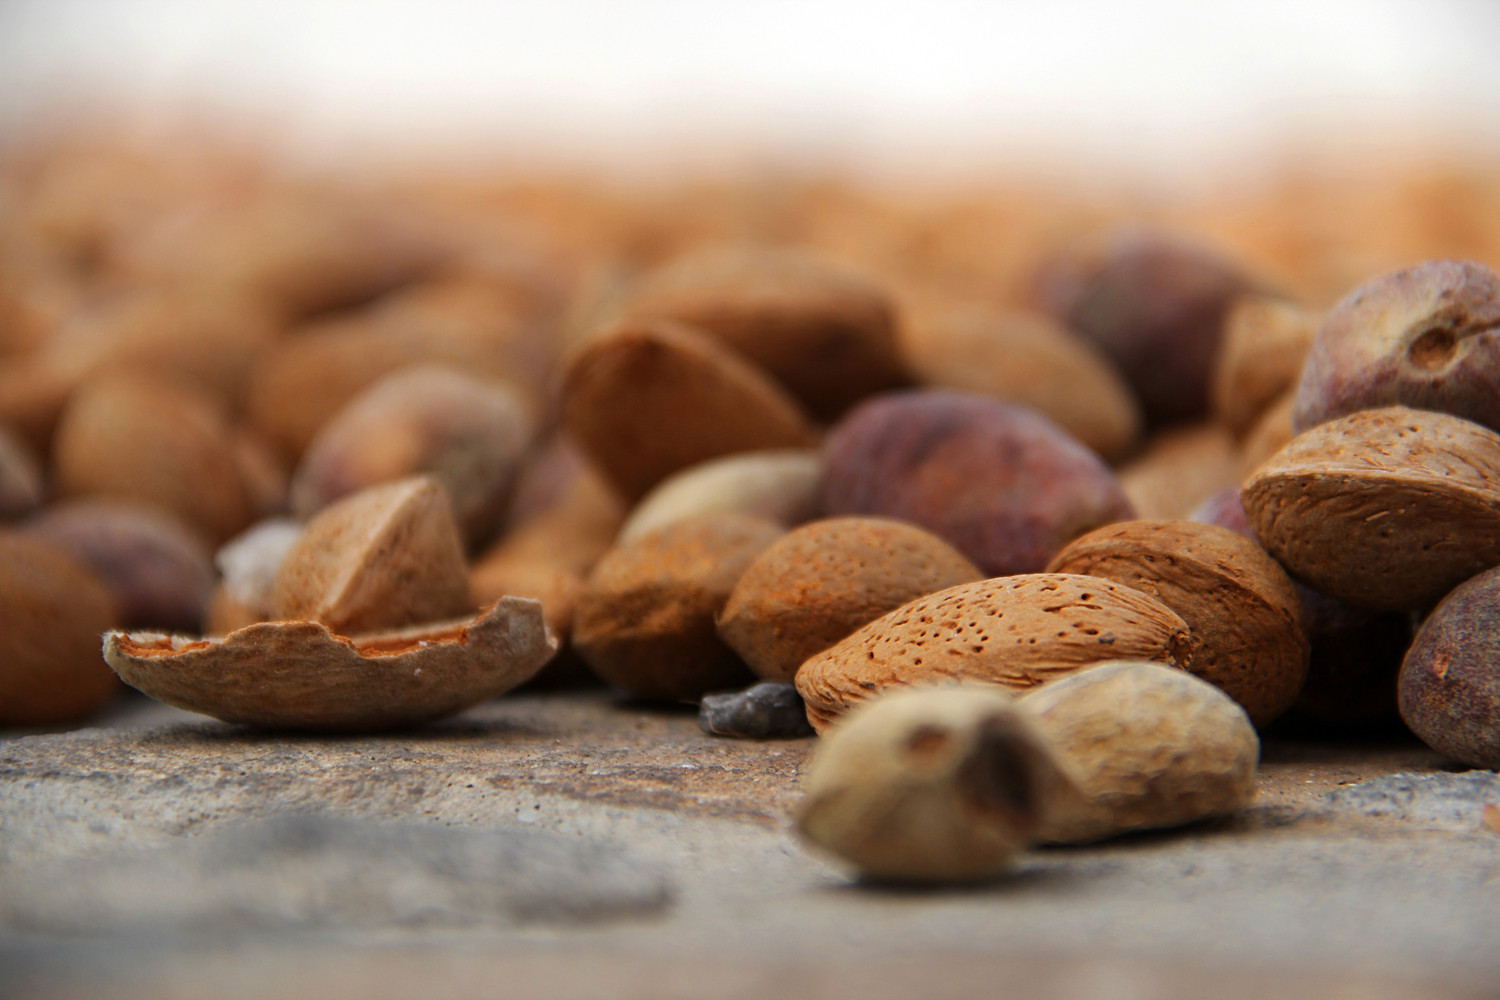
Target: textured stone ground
(569, 845)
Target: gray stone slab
(1307, 894)
(321, 872)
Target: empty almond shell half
(299, 675)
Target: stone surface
(1300, 897)
(314, 871)
(1443, 800)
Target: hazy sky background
(1155, 81)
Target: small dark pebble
(761, 712)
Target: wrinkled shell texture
(1149, 747)
(1001, 483)
(1018, 632)
(1241, 607)
(53, 610)
(782, 485)
(826, 579)
(1449, 685)
(1031, 360)
(930, 784)
(1427, 337)
(299, 675)
(646, 401)
(467, 433)
(825, 334)
(645, 620)
(1388, 509)
(385, 557)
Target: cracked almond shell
(1015, 631)
(300, 675)
(1388, 509)
(1240, 605)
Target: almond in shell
(1388, 509)
(1017, 631)
(1241, 606)
(645, 401)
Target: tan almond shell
(1240, 605)
(1015, 631)
(300, 675)
(814, 586)
(644, 401)
(1179, 469)
(1147, 746)
(1388, 509)
(382, 558)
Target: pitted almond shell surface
(1388, 509)
(646, 400)
(820, 582)
(1240, 605)
(301, 675)
(382, 558)
(1015, 631)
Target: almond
(1018, 632)
(1030, 359)
(1179, 469)
(53, 609)
(152, 440)
(1241, 607)
(301, 675)
(1266, 340)
(780, 484)
(1148, 747)
(645, 401)
(382, 558)
(645, 620)
(823, 580)
(1387, 509)
(823, 332)
(466, 432)
(931, 784)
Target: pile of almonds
(1039, 532)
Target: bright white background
(1154, 81)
